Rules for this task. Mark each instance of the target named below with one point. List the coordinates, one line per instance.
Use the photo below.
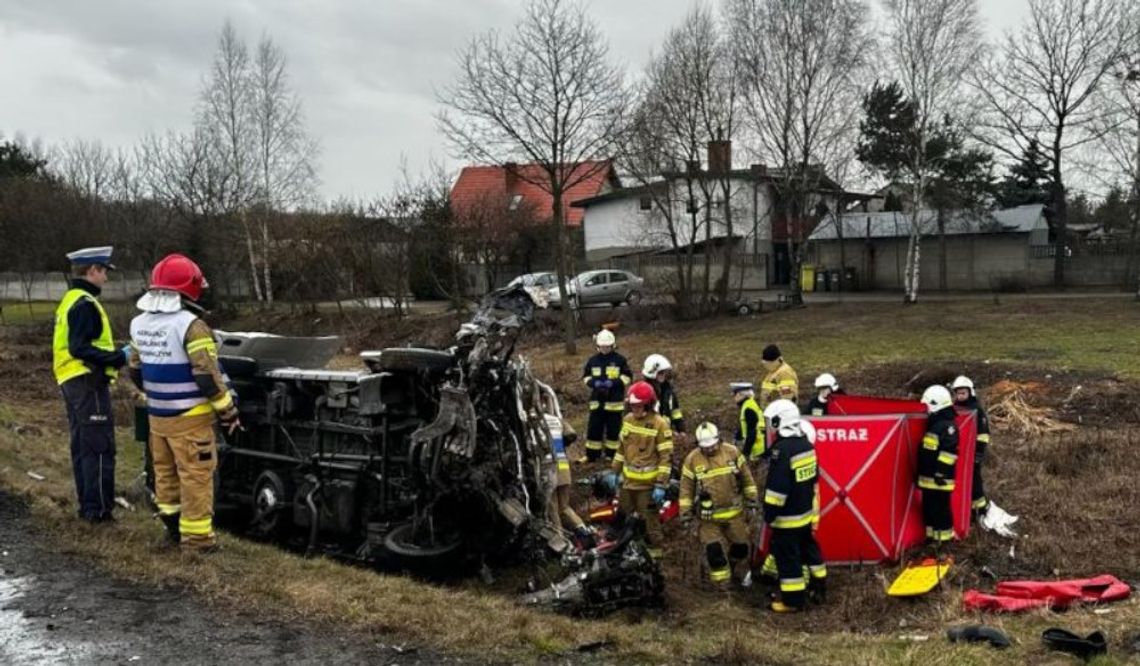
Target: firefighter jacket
(790, 499)
(983, 425)
(645, 451)
(721, 478)
(668, 405)
(174, 359)
(750, 434)
(607, 376)
(780, 383)
(938, 455)
(816, 407)
(81, 341)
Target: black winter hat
(771, 353)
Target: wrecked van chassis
(428, 458)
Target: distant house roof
(1022, 219)
(511, 180)
(649, 189)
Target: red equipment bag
(1020, 595)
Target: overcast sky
(366, 70)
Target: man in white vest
(174, 359)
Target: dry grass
(1075, 493)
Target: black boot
(173, 533)
(817, 590)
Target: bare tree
(285, 154)
(545, 93)
(1043, 86)
(804, 63)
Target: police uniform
(937, 459)
(644, 459)
(85, 363)
(717, 484)
(607, 376)
(791, 508)
(978, 499)
(750, 429)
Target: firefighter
(717, 485)
(607, 375)
(644, 459)
(780, 382)
(174, 359)
(965, 397)
(85, 363)
(658, 371)
(562, 435)
(826, 385)
(749, 437)
(937, 459)
(791, 509)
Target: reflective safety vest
(168, 378)
(753, 449)
(63, 364)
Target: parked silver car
(600, 286)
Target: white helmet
(783, 416)
(962, 381)
(605, 338)
(707, 435)
(655, 363)
(827, 380)
(936, 398)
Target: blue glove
(126, 350)
(658, 495)
(603, 383)
(610, 479)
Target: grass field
(1075, 494)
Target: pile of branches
(1010, 408)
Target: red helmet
(178, 273)
(641, 393)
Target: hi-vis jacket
(175, 357)
(723, 478)
(750, 436)
(790, 499)
(781, 383)
(607, 376)
(645, 451)
(938, 455)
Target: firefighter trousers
(978, 499)
(639, 501)
(936, 515)
(92, 427)
(794, 550)
(570, 519)
(185, 454)
(716, 538)
(602, 430)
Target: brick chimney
(720, 154)
(759, 170)
(510, 175)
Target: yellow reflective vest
(63, 364)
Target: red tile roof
(476, 182)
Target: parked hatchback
(601, 286)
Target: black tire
(633, 298)
(399, 542)
(743, 310)
(411, 359)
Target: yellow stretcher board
(918, 578)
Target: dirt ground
(55, 609)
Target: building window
(515, 201)
(645, 203)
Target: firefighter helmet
(642, 393)
(962, 382)
(936, 398)
(655, 363)
(782, 414)
(707, 435)
(827, 380)
(605, 338)
(176, 272)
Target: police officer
(825, 386)
(644, 459)
(658, 371)
(937, 460)
(750, 433)
(85, 362)
(717, 485)
(791, 509)
(607, 375)
(174, 359)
